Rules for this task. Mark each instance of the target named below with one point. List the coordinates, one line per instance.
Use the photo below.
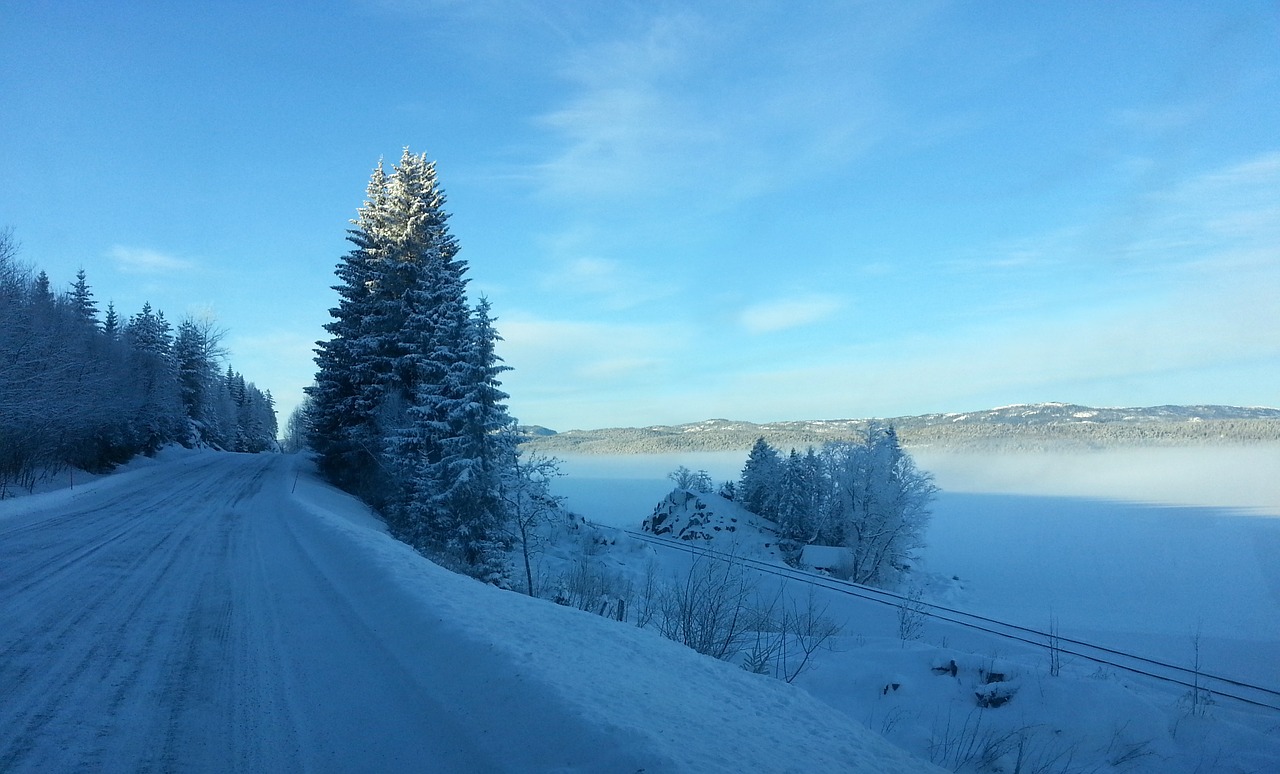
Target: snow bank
(553, 688)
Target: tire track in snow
(197, 622)
(102, 608)
(85, 639)
(354, 732)
(45, 531)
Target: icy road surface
(198, 615)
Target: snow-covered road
(175, 622)
(198, 615)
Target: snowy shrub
(759, 660)
(1122, 752)
(647, 598)
(972, 744)
(911, 616)
(589, 586)
(716, 611)
(1054, 644)
(788, 633)
(728, 490)
(1198, 698)
(710, 609)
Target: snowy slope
(1124, 575)
(229, 613)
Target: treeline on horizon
(91, 393)
(957, 436)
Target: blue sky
(752, 210)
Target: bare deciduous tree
(526, 494)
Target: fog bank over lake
(1245, 477)
(1130, 546)
(1240, 477)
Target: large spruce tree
(406, 410)
(344, 398)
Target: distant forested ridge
(92, 390)
(1028, 427)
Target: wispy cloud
(1221, 219)
(611, 283)
(1131, 354)
(1161, 119)
(135, 260)
(692, 105)
(572, 355)
(1209, 217)
(629, 123)
(570, 373)
(788, 313)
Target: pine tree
(40, 292)
(111, 322)
(82, 304)
(429, 374)
(196, 377)
(799, 497)
(72, 393)
(477, 451)
(761, 476)
(159, 415)
(348, 390)
(406, 410)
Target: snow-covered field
(1136, 550)
(218, 612)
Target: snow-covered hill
(1037, 425)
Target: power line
(1011, 631)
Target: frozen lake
(1137, 548)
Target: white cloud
(611, 369)
(1177, 306)
(134, 260)
(788, 313)
(1219, 213)
(1196, 345)
(573, 373)
(1219, 221)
